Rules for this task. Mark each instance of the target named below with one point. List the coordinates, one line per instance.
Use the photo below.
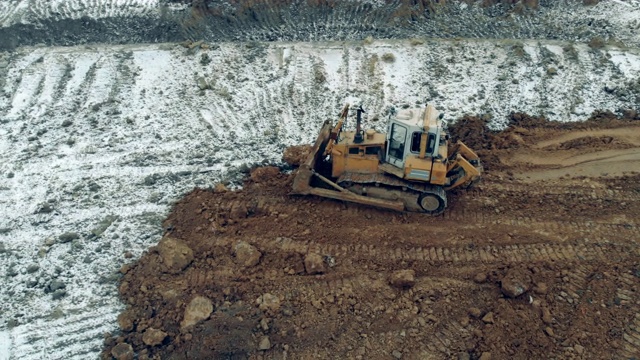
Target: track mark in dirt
(629, 135)
(627, 295)
(631, 339)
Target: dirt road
(530, 264)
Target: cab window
(415, 142)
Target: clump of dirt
(511, 269)
(296, 155)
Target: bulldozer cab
(405, 132)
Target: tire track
(27, 91)
(64, 338)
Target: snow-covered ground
(97, 142)
(73, 22)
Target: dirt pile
(512, 270)
(525, 132)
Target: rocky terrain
(100, 137)
(516, 268)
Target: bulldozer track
(627, 295)
(518, 253)
(574, 284)
(630, 348)
(266, 206)
(526, 190)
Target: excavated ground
(539, 261)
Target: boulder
(265, 343)
(175, 253)
(269, 303)
(122, 351)
(153, 337)
(403, 279)
(314, 264)
(515, 283)
(200, 308)
(246, 254)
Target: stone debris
(200, 308)
(246, 254)
(403, 279)
(515, 283)
(175, 253)
(153, 337)
(122, 351)
(314, 264)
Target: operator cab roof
(410, 117)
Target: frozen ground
(97, 142)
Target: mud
(516, 268)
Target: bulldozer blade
(307, 171)
(302, 181)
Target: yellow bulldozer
(409, 168)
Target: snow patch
(5, 345)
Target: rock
(314, 264)
(202, 83)
(238, 211)
(265, 173)
(198, 309)
(546, 316)
(265, 343)
(67, 123)
(515, 283)
(549, 331)
(68, 236)
(55, 285)
(480, 278)
(464, 356)
(396, 354)
(125, 321)
(541, 289)
(176, 254)
(58, 294)
(122, 351)
(220, 188)
(296, 155)
(488, 318)
(32, 268)
(246, 254)
(264, 324)
(579, 349)
(485, 356)
(269, 303)
(153, 337)
(45, 208)
(475, 312)
(403, 279)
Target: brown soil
(565, 246)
